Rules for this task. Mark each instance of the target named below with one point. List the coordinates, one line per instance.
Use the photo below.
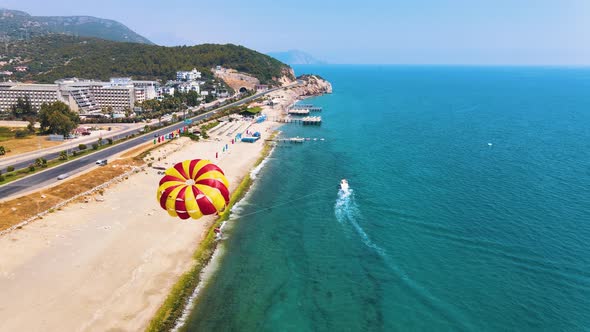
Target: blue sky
(529, 32)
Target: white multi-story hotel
(163, 91)
(83, 96)
(185, 87)
(192, 75)
(37, 94)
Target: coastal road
(49, 176)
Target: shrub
(99, 142)
(94, 146)
(63, 155)
(21, 133)
(82, 147)
(74, 153)
(149, 164)
(2, 151)
(10, 168)
(110, 140)
(2, 178)
(31, 168)
(38, 162)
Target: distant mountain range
(296, 57)
(18, 25)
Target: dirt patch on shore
(15, 211)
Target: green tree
(2, 150)
(31, 125)
(108, 111)
(22, 108)
(63, 155)
(192, 98)
(57, 118)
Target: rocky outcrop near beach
(287, 77)
(312, 85)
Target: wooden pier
(308, 107)
(298, 112)
(294, 139)
(308, 120)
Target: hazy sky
(369, 31)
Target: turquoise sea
(469, 210)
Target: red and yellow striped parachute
(193, 188)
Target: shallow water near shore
(469, 208)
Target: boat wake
(348, 213)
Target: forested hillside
(56, 56)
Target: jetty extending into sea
(308, 120)
(306, 107)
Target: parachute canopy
(193, 188)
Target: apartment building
(37, 94)
(192, 75)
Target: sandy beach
(108, 265)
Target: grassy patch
(209, 125)
(24, 144)
(166, 316)
(6, 134)
(253, 110)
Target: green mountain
(18, 25)
(52, 57)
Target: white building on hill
(192, 75)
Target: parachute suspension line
(285, 203)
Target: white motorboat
(344, 185)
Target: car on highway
(63, 176)
(101, 162)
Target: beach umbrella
(193, 188)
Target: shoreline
(211, 267)
(176, 305)
(204, 273)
